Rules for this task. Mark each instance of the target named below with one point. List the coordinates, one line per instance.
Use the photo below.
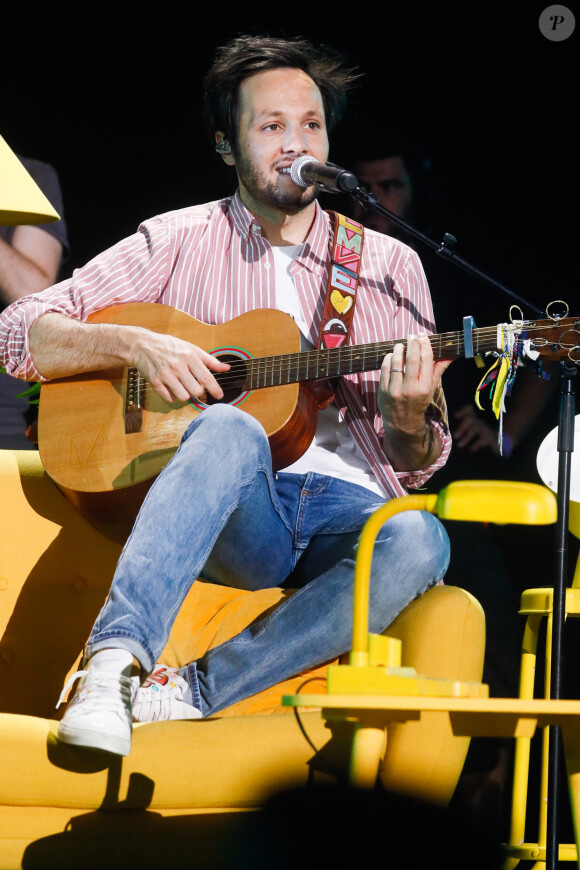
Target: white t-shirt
(333, 450)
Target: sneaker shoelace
(69, 683)
(156, 703)
(117, 690)
(161, 696)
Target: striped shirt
(213, 262)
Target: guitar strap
(343, 278)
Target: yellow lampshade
(498, 501)
(21, 199)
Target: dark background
(111, 97)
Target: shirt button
(267, 265)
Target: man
(217, 510)
(398, 174)
(30, 260)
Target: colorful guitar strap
(343, 278)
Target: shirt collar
(242, 218)
(314, 254)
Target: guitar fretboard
(273, 371)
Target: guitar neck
(272, 371)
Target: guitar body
(104, 463)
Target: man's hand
(406, 388)
(176, 369)
(474, 434)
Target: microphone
(326, 176)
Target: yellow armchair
(185, 785)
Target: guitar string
(262, 366)
(253, 373)
(332, 355)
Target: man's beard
(269, 194)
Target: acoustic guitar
(104, 436)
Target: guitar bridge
(133, 401)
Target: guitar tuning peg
(520, 318)
(555, 316)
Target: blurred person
(31, 257)
(399, 173)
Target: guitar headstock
(553, 339)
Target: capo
(468, 326)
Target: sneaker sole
(93, 740)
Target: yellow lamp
(21, 200)
(373, 689)
(493, 501)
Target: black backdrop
(111, 97)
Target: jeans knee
(230, 432)
(416, 542)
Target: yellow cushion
(220, 763)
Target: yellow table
(469, 716)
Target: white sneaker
(99, 715)
(161, 697)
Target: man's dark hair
(246, 56)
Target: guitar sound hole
(232, 382)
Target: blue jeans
(218, 511)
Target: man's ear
(224, 148)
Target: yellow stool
(536, 604)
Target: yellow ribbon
(498, 387)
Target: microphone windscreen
(296, 169)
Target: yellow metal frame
(536, 605)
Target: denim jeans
(218, 511)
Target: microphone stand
(566, 420)
(569, 372)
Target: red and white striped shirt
(213, 262)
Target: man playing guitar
(218, 509)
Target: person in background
(31, 257)
(399, 174)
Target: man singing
(218, 510)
